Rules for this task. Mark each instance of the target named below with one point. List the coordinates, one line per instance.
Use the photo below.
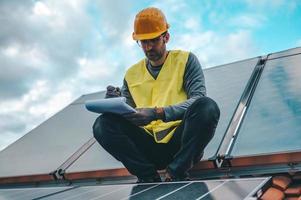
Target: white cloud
(21, 115)
(273, 6)
(71, 50)
(214, 49)
(266, 3)
(95, 68)
(192, 23)
(248, 21)
(37, 101)
(11, 51)
(170, 6)
(33, 56)
(42, 9)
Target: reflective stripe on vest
(166, 90)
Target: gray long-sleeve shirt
(193, 84)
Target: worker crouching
(174, 121)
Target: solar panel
(188, 190)
(272, 122)
(232, 189)
(210, 189)
(29, 193)
(46, 147)
(225, 84)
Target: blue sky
(51, 52)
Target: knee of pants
(99, 129)
(206, 108)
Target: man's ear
(166, 38)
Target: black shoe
(152, 179)
(170, 177)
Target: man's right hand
(112, 92)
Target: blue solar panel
(272, 122)
(211, 189)
(29, 193)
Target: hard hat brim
(147, 36)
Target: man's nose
(148, 46)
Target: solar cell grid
(211, 189)
(28, 193)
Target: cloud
(214, 49)
(274, 6)
(247, 21)
(36, 44)
(51, 52)
(266, 3)
(15, 77)
(23, 114)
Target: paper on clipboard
(116, 105)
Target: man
(174, 120)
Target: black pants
(142, 156)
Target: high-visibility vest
(166, 90)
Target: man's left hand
(142, 117)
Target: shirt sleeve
(125, 92)
(194, 86)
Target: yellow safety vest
(166, 90)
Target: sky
(52, 52)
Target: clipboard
(115, 105)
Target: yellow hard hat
(149, 24)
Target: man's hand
(144, 116)
(112, 92)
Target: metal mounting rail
(234, 125)
(60, 171)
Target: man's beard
(153, 55)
